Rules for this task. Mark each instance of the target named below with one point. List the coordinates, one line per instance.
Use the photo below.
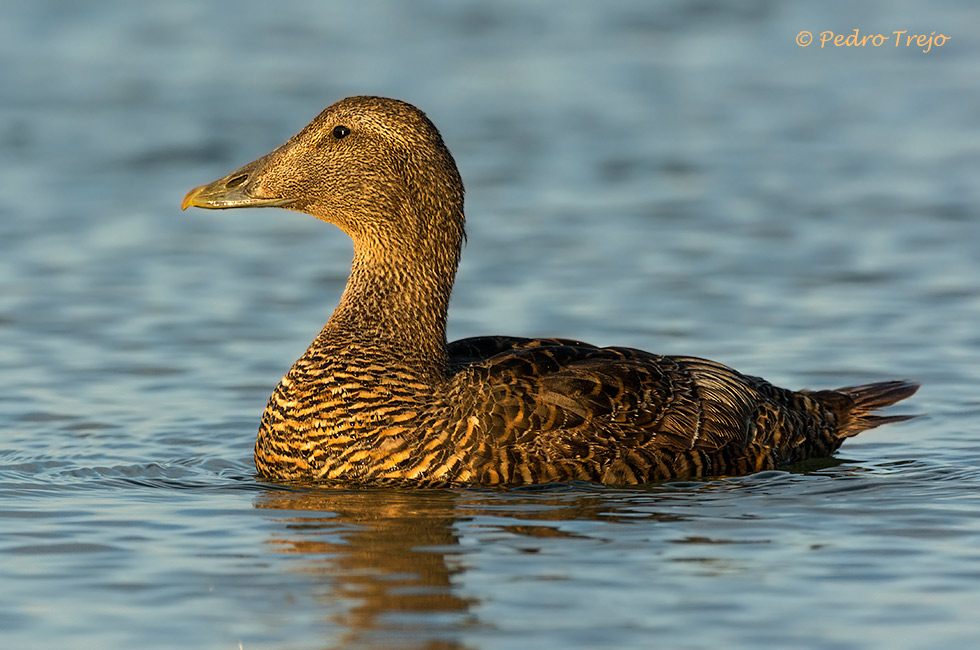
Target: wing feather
(566, 403)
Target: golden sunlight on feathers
(381, 398)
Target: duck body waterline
(379, 397)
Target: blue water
(680, 177)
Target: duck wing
(539, 410)
(533, 410)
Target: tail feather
(855, 410)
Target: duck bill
(240, 189)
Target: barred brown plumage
(381, 398)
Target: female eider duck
(381, 398)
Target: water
(680, 177)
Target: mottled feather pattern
(518, 411)
(380, 398)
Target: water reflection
(383, 553)
(461, 569)
(392, 562)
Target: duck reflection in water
(385, 555)
(393, 560)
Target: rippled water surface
(678, 176)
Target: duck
(381, 398)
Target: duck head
(375, 167)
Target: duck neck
(393, 311)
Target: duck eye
(340, 132)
